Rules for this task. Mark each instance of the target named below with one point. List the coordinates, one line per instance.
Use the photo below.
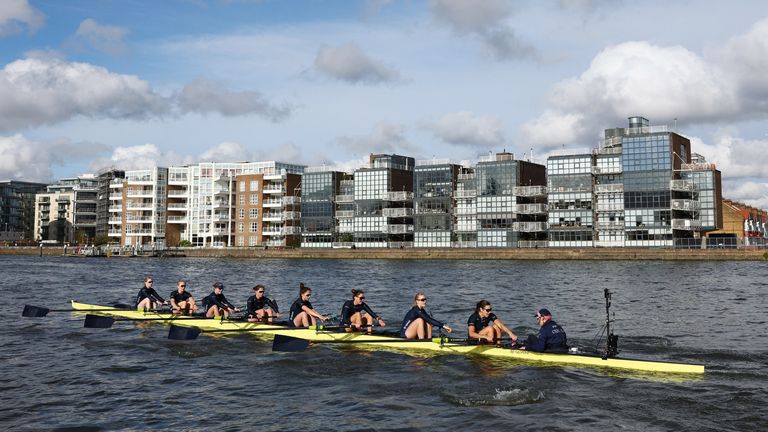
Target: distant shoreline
(601, 254)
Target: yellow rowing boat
(437, 345)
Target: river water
(57, 375)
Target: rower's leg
(429, 331)
(355, 321)
(487, 333)
(415, 329)
(267, 315)
(144, 304)
(225, 312)
(301, 320)
(213, 311)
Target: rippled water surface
(57, 375)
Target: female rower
(302, 314)
(216, 304)
(148, 298)
(417, 323)
(352, 317)
(485, 325)
(260, 307)
(181, 300)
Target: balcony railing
(291, 200)
(609, 226)
(176, 206)
(468, 176)
(530, 191)
(466, 193)
(274, 189)
(116, 209)
(272, 203)
(345, 214)
(177, 219)
(291, 215)
(531, 226)
(685, 205)
(609, 207)
(345, 198)
(142, 192)
(397, 212)
(607, 170)
(686, 224)
(531, 208)
(398, 196)
(178, 193)
(292, 230)
(398, 228)
(609, 188)
(682, 185)
(272, 216)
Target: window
(254, 227)
(254, 213)
(252, 241)
(254, 199)
(254, 185)
(240, 227)
(241, 199)
(241, 213)
(242, 186)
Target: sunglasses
(488, 309)
(362, 297)
(260, 291)
(182, 286)
(422, 299)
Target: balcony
(221, 191)
(220, 231)
(275, 243)
(291, 215)
(607, 170)
(471, 193)
(272, 203)
(219, 204)
(178, 179)
(272, 216)
(531, 208)
(115, 220)
(686, 224)
(398, 196)
(682, 185)
(177, 219)
(610, 226)
(346, 183)
(292, 230)
(272, 231)
(177, 206)
(398, 228)
(140, 206)
(220, 217)
(469, 176)
(345, 199)
(62, 199)
(114, 232)
(140, 193)
(609, 207)
(178, 193)
(397, 212)
(116, 209)
(609, 188)
(138, 232)
(273, 189)
(530, 191)
(531, 226)
(581, 188)
(345, 214)
(685, 205)
(116, 183)
(138, 219)
(291, 200)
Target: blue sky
(91, 84)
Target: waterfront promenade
(601, 254)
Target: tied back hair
(481, 305)
(303, 288)
(357, 292)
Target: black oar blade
(34, 311)
(289, 344)
(183, 333)
(98, 321)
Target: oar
(189, 333)
(39, 311)
(292, 344)
(106, 321)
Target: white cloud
(92, 35)
(39, 91)
(749, 192)
(349, 63)
(201, 96)
(467, 129)
(16, 15)
(140, 157)
(23, 159)
(735, 157)
(661, 83)
(486, 20)
(385, 138)
(225, 152)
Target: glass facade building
(434, 184)
(570, 207)
(17, 209)
(318, 190)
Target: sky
(92, 84)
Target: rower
(260, 307)
(216, 304)
(148, 298)
(302, 314)
(417, 323)
(484, 325)
(181, 300)
(356, 315)
(551, 336)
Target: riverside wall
(603, 254)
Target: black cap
(218, 285)
(543, 312)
